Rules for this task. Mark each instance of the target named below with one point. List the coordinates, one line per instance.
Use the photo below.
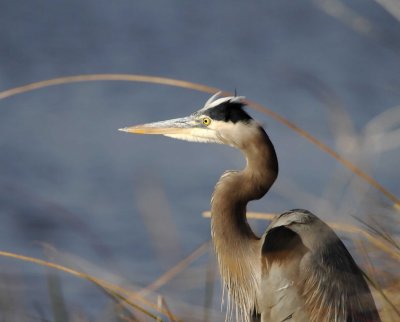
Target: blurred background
(128, 208)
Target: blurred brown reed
(176, 269)
(114, 290)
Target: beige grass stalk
(207, 89)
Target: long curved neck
(236, 188)
(236, 245)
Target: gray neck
(236, 245)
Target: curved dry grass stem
(207, 89)
(112, 289)
(107, 77)
(347, 228)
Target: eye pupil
(206, 121)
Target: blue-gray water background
(125, 207)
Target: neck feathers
(237, 247)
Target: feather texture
(324, 282)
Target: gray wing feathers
(308, 279)
(334, 287)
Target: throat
(238, 253)
(228, 209)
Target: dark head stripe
(228, 111)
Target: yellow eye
(206, 121)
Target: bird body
(323, 281)
(299, 270)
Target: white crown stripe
(212, 98)
(214, 101)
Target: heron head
(221, 120)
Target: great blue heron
(299, 270)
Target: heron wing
(312, 281)
(334, 285)
(282, 253)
